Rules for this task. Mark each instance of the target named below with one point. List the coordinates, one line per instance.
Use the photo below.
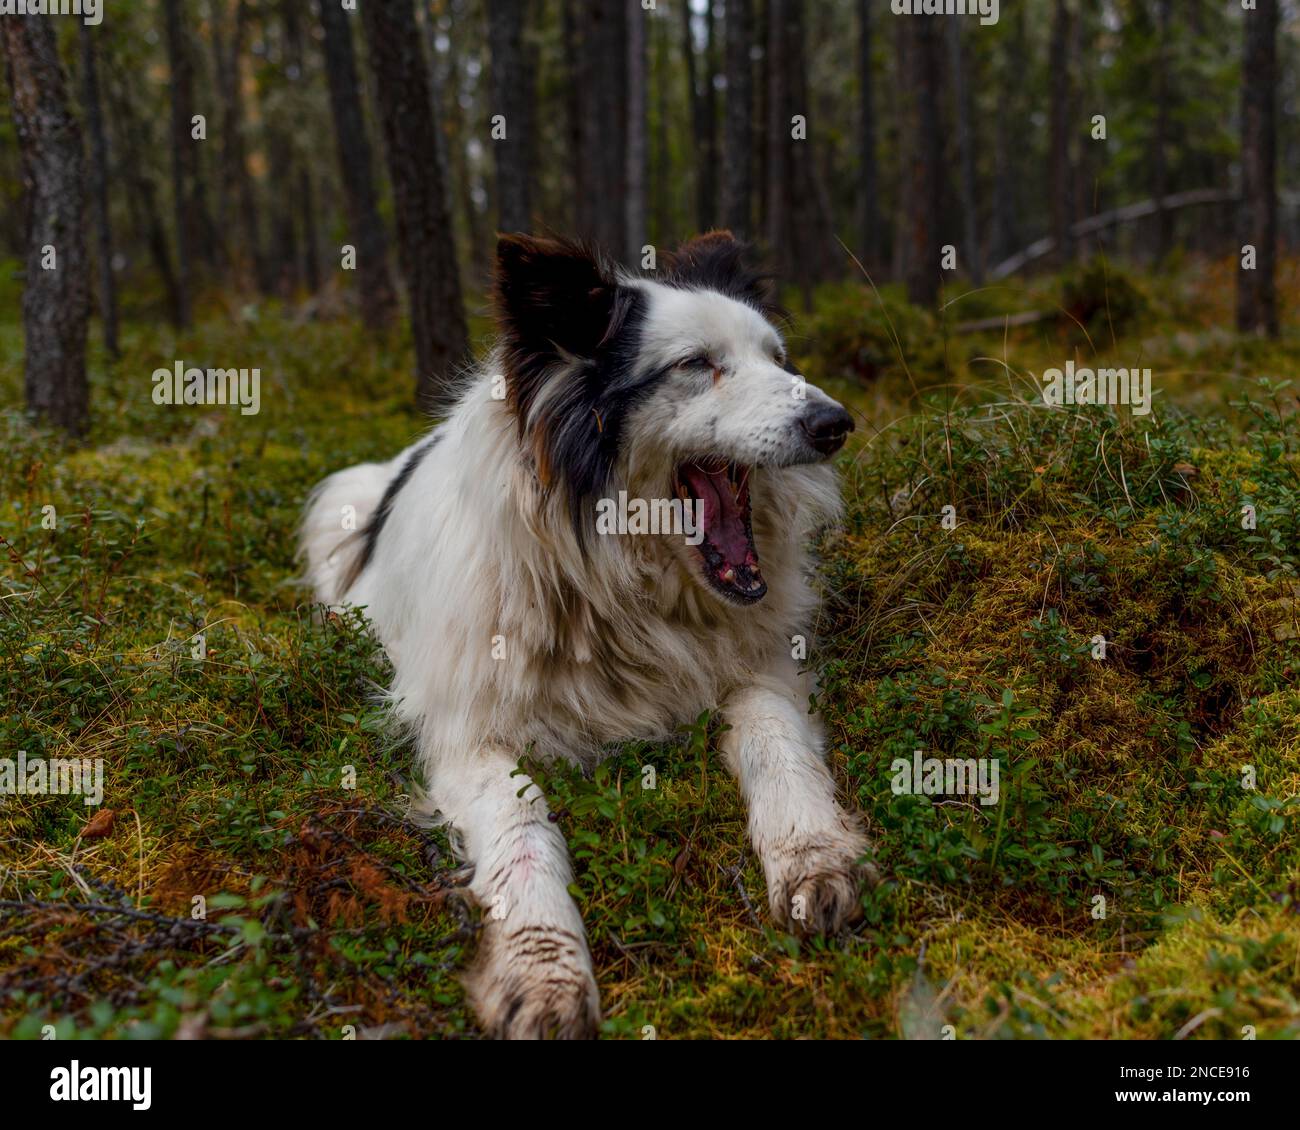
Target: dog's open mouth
(730, 561)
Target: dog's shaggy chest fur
(516, 628)
(536, 641)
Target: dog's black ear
(717, 260)
(552, 297)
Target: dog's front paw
(814, 882)
(534, 983)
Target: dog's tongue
(725, 517)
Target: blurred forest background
(311, 188)
(824, 132)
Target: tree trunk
(183, 156)
(1007, 161)
(663, 201)
(812, 232)
(305, 205)
(1061, 179)
(709, 99)
(513, 97)
(365, 228)
(763, 119)
(973, 256)
(426, 250)
(459, 172)
(601, 52)
(868, 202)
(780, 236)
(218, 13)
(284, 261)
(637, 19)
(142, 197)
(921, 68)
(1257, 290)
(236, 181)
(737, 137)
(701, 125)
(798, 211)
(56, 301)
(579, 67)
(1086, 160)
(1160, 186)
(98, 185)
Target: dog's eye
(778, 358)
(699, 361)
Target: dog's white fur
(505, 637)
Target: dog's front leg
(533, 977)
(809, 846)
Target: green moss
(1121, 777)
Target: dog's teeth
(729, 574)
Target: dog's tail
(332, 536)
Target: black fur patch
(572, 338)
(376, 524)
(718, 261)
(572, 333)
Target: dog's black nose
(826, 426)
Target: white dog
(513, 625)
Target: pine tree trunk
(1257, 290)
(305, 204)
(283, 260)
(572, 21)
(868, 202)
(426, 251)
(56, 302)
(779, 234)
(237, 180)
(660, 33)
(98, 186)
(763, 118)
(459, 172)
(1160, 183)
(250, 221)
(921, 68)
(973, 252)
(142, 196)
(637, 19)
(1060, 178)
(601, 52)
(1005, 237)
(812, 227)
(705, 182)
(182, 155)
(205, 242)
(709, 113)
(356, 170)
(513, 97)
(737, 138)
(218, 14)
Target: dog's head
(672, 387)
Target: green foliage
(1119, 778)
(1102, 301)
(858, 334)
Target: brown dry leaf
(99, 825)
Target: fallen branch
(1114, 218)
(1002, 321)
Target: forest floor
(321, 907)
